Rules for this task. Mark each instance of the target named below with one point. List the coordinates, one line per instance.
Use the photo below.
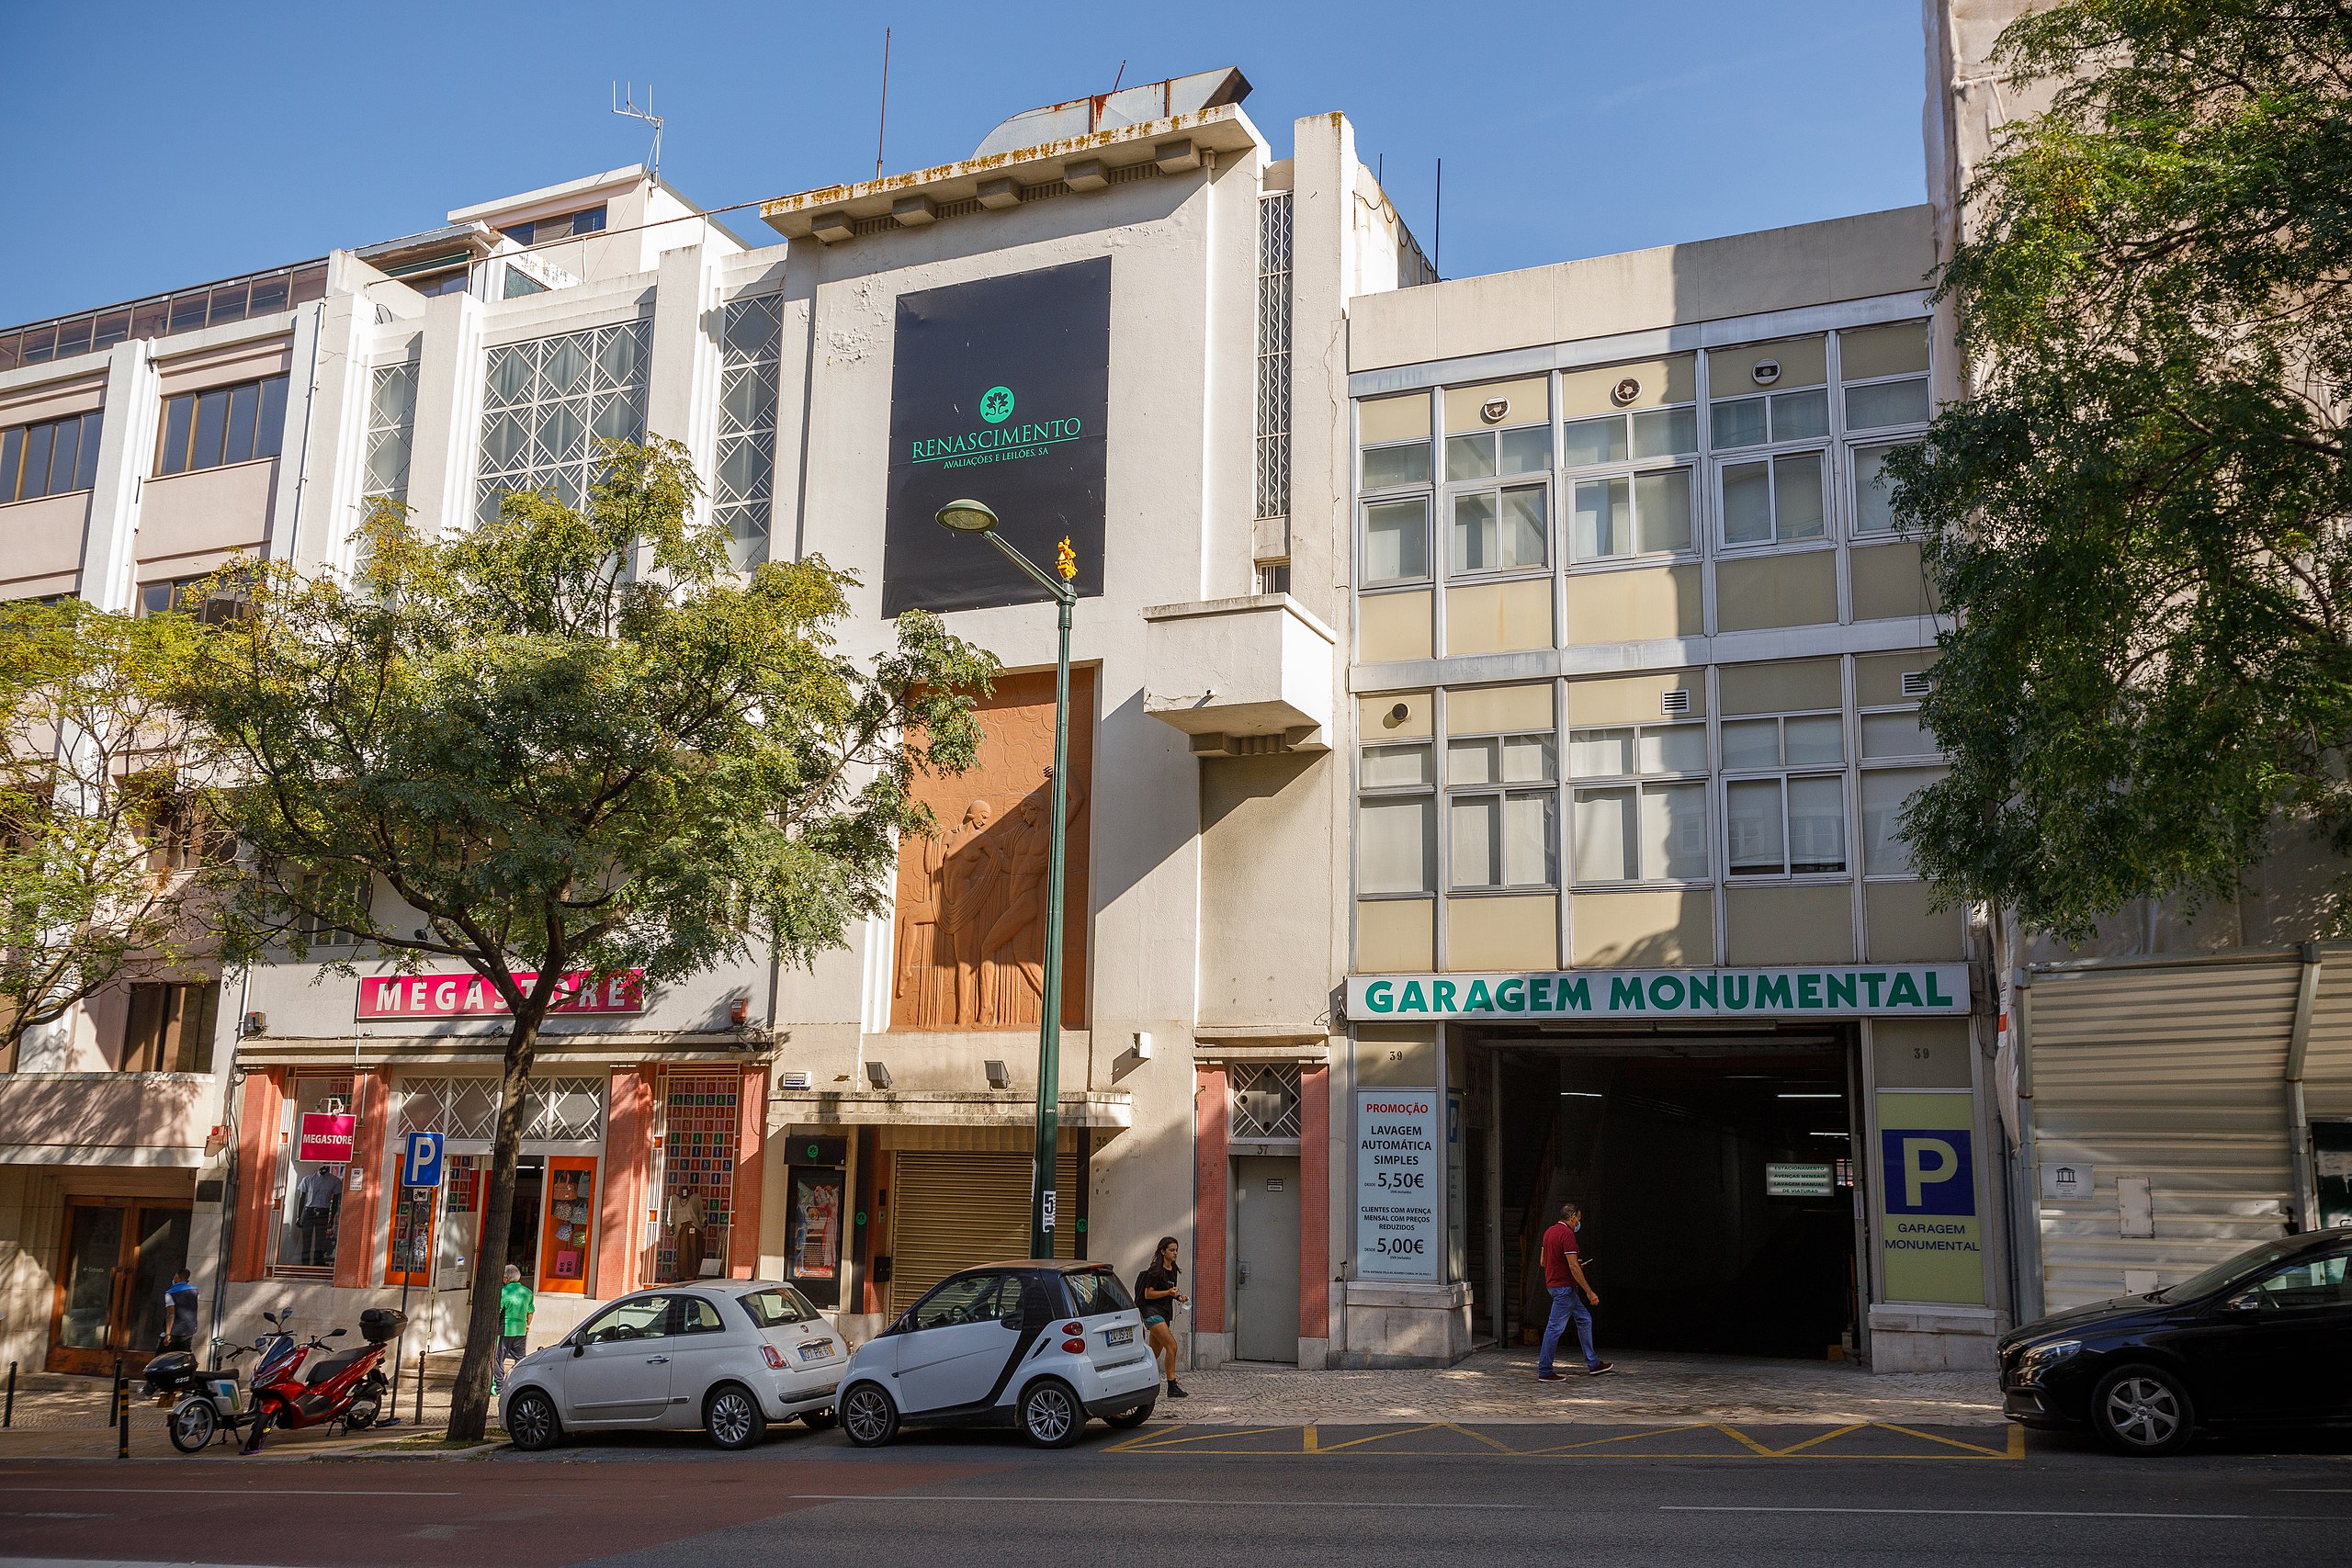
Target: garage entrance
(1716, 1174)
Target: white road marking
(1971, 1513)
(1065, 1499)
(221, 1492)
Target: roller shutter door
(953, 1211)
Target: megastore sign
(1883, 990)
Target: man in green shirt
(516, 1304)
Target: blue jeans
(1567, 1307)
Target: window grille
(560, 1109)
(546, 403)
(1273, 355)
(1264, 1101)
(743, 493)
(391, 423)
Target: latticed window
(1265, 1102)
(546, 402)
(558, 1110)
(392, 422)
(1273, 356)
(744, 495)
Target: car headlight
(2040, 1359)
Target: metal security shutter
(953, 1211)
(2176, 1074)
(2327, 1059)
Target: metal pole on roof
(882, 122)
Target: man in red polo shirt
(1573, 1297)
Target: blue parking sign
(421, 1161)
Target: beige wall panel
(1265, 866)
(45, 535)
(1490, 710)
(1633, 699)
(1394, 419)
(214, 509)
(1393, 625)
(1669, 928)
(1390, 1057)
(1790, 685)
(1811, 924)
(1673, 379)
(1804, 362)
(30, 405)
(1502, 933)
(1376, 717)
(1395, 934)
(1498, 618)
(1920, 1053)
(1530, 399)
(1878, 677)
(1636, 606)
(1890, 582)
(1777, 591)
(1898, 928)
(246, 361)
(1883, 351)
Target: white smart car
(1040, 1346)
(728, 1355)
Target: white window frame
(1431, 792)
(1784, 773)
(1642, 783)
(1502, 791)
(1926, 760)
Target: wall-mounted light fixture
(878, 1075)
(999, 1077)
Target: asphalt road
(1204, 1498)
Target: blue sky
(188, 143)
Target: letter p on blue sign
(421, 1160)
(1929, 1170)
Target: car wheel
(819, 1420)
(869, 1418)
(1135, 1418)
(193, 1425)
(1051, 1415)
(531, 1423)
(2142, 1411)
(732, 1417)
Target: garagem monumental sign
(1882, 990)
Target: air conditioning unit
(1675, 701)
(1916, 683)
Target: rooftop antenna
(1436, 224)
(627, 107)
(883, 123)
(1120, 77)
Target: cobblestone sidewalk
(1498, 1385)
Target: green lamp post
(972, 517)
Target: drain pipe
(234, 1081)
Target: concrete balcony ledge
(1242, 677)
(154, 1119)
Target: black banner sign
(998, 392)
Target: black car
(2261, 1340)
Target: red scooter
(345, 1386)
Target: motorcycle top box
(381, 1326)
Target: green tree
(2140, 513)
(546, 761)
(108, 872)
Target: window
(777, 1307)
(1790, 824)
(1499, 836)
(1492, 454)
(1646, 514)
(1773, 501)
(1500, 530)
(2307, 1282)
(1397, 829)
(168, 1028)
(1887, 402)
(973, 1298)
(696, 1316)
(1274, 578)
(331, 909)
(392, 422)
(436, 283)
(1657, 433)
(1885, 792)
(1782, 416)
(751, 350)
(546, 403)
(639, 1317)
(54, 457)
(565, 226)
(209, 597)
(1397, 540)
(221, 426)
(1873, 493)
(178, 835)
(1096, 1291)
(1648, 822)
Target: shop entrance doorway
(119, 1257)
(1717, 1177)
(523, 1223)
(1265, 1259)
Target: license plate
(1118, 1335)
(816, 1350)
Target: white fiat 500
(1037, 1345)
(728, 1355)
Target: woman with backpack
(1157, 1297)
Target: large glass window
(54, 457)
(1773, 501)
(222, 425)
(1644, 513)
(391, 422)
(168, 1028)
(321, 1140)
(1499, 836)
(1873, 493)
(749, 353)
(1393, 434)
(1885, 792)
(1638, 810)
(1786, 822)
(547, 402)
(1500, 530)
(1397, 540)
(1396, 822)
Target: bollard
(8, 1415)
(114, 1402)
(122, 1429)
(419, 1386)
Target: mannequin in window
(685, 1220)
(316, 1199)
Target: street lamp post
(972, 517)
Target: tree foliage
(109, 871)
(574, 740)
(2140, 513)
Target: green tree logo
(996, 404)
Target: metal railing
(163, 315)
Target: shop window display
(697, 1151)
(318, 1153)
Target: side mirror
(580, 1346)
(2247, 1302)
(337, 1332)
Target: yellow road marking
(1183, 1439)
(1309, 1444)
(2016, 1440)
(1377, 1437)
(1955, 1442)
(1495, 1443)
(1838, 1432)
(1735, 1435)
(1620, 1438)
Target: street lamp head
(967, 517)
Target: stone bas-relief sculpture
(971, 901)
